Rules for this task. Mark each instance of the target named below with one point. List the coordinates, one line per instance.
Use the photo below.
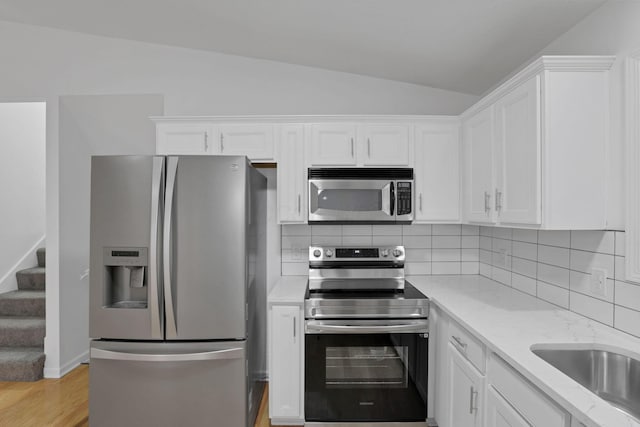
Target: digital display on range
(125, 253)
(357, 252)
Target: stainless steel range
(366, 339)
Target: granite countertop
(509, 322)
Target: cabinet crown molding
(277, 119)
(556, 63)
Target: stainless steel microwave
(361, 195)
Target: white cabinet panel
(184, 138)
(285, 356)
(500, 413)
(333, 144)
(385, 145)
(465, 392)
(252, 140)
(437, 173)
(292, 177)
(478, 138)
(518, 153)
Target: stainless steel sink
(611, 376)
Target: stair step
(21, 364)
(23, 303)
(40, 253)
(31, 279)
(22, 332)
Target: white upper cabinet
(385, 144)
(516, 198)
(437, 171)
(252, 140)
(333, 144)
(365, 144)
(632, 243)
(478, 140)
(536, 148)
(292, 177)
(185, 138)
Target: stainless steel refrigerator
(177, 291)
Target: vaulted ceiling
(461, 45)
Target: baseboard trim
(8, 282)
(67, 367)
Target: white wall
(90, 125)
(22, 187)
(44, 63)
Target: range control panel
(349, 254)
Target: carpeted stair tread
(22, 331)
(21, 364)
(41, 254)
(23, 303)
(31, 279)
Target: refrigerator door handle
(172, 169)
(230, 353)
(154, 273)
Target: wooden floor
(63, 402)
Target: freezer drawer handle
(231, 353)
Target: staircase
(22, 326)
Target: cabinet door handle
(473, 400)
(420, 198)
(351, 147)
(206, 141)
(487, 198)
(368, 148)
(299, 203)
(498, 200)
(222, 142)
(294, 327)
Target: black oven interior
(366, 377)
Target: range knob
(385, 253)
(328, 253)
(317, 253)
(397, 253)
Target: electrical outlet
(599, 281)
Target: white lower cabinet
(500, 413)
(532, 405)
(286, 390)
(466, 391)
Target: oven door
(346, 200)
(356, 371)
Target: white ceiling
(461, 45)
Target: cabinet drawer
(468, 345)
(531, 403)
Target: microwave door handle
(387, 199)
(393, 198)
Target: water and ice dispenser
(125, 280)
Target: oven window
(350, 200)
(366, 367)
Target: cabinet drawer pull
(294, 327)
(498, 200)
(420, 197)
(368, 148)
(222, 142)
(299, 203)
(351, 147)
(487, 198)
(206, 141)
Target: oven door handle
(328, 327)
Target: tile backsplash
(556, 266)
(431, 249)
